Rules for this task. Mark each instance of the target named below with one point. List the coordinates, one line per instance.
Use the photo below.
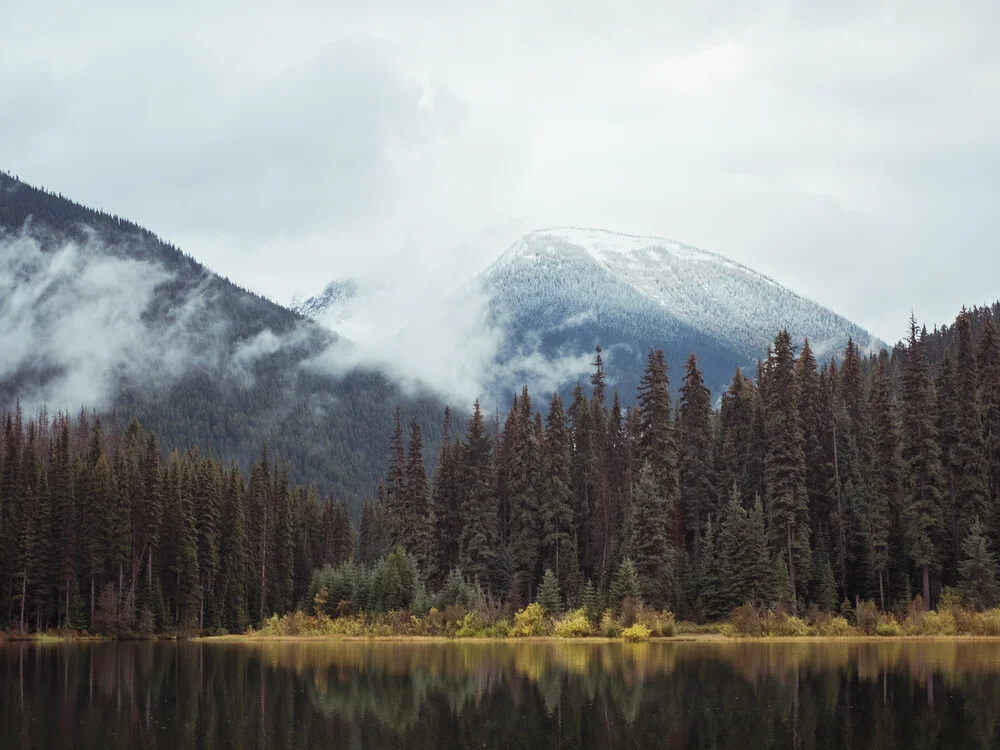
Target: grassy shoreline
(719, 638)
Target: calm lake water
(500, 695)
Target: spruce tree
(624, 585)
(523, 486)
(883, 479)
(558, 551)
(447, 512)
(657, 448)
(978, 569)
(923, 478)
(696, 460)
(549, 598)
(414, 506)
(969, 458)
(234, 554)
(478, 553)
(988, 368)
(787, 501)
(654, 553)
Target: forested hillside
(814, 484)
(204, 362)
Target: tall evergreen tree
(478, 553)
(923, 476)
(657, 447)
(654, 553)
(787, 500)
(696, 460)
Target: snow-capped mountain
(556, 294)
(563, 291)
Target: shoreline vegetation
(632, 623)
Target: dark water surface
(500, 695)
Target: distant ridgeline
(332, 429)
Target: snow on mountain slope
(562, 291)
(721, 298)
(555, 294)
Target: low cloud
(73, 322)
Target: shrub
(610, 627)
(888, 627)
(866, 617)
(745, 620)
(530, 621)
(573, 625)
(984, 623)
(938, 623)
(635, 633)
(658, 623)
(785, 626)
(836, 627)
(471, 626)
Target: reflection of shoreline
(740, 694)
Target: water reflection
(502, 695)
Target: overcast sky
(850, 150)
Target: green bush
(658, 623)
(888, 628)
(573, 625)
(471, 626)
(635, 633)
(610, 627)
(530, 621)
(938, 623)
(835, 627)
(785, 626)
(986, 623)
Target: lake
(290, 695)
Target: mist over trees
(871, 477)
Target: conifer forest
(865, 477)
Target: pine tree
(478, 554)
(549, 598)
(969, 458)
(736, 453)
(557, 505)
(373, 540)
(523, 485)
(657, 446)
(447, 511)
(654, 554)
(824, 588)
(234, 554)
(581, 440)
(624, 585)
(395, 488)
(883, 479)
(787, 501)
(696, 460)
(414, 506)
(712, 599)
(923, 477)
(978, 569)
(988, 368)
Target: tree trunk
(927, 586)
(791, 566)
(24, 596)
(881, 590)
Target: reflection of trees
(441, 695)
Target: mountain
(555, 294)
(563, 291)
(96, 311)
